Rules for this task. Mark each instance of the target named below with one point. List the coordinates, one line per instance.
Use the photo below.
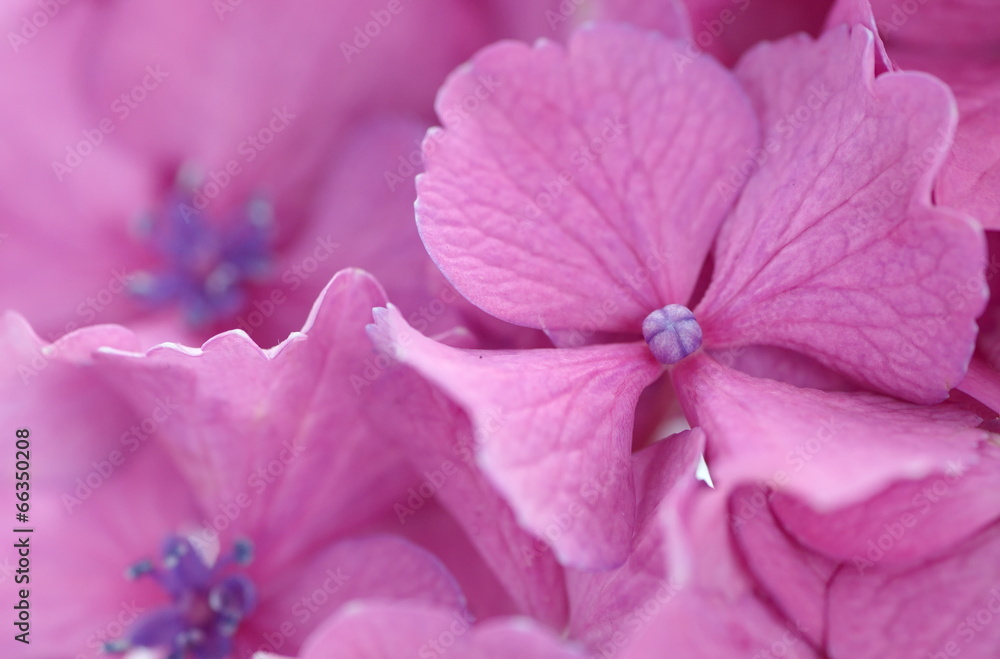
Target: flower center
(206, 608)
(205, 266)
(672, 333)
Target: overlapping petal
(834, 249)
(554, 431)
(576, 187)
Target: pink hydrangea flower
(210, 502)
(584, 198)
(218, 165)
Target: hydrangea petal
(943, 607)
(725, 29)
(209, 104)
(285, 423)
(383, 567)
(576, 187)
(668, 17)
(131, 497)
(795, 578)
(715, 611)
(380, 630)
(608, 606)
(35, 373)
(805, 440)
(906, 522)
(833, 249)
(955, 41)
(554, 431)
(438, 438)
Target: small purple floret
(207, 603)
(206, 265)
(672, 333)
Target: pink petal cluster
(689, 352)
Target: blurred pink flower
(583, 199)
(189, 169)
(241, 489)
(606, 609)
(378, 630)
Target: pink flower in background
(379, 630)
(188, 171)
(241, 491)
(594, 225)
(606, 609)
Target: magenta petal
(805, 441)
(908, 521)
(727, 28)
(285, 423)
(438, 438)
(381, 630)
(218, 83)
(795, 578)
(34, 373)
(948, 606)
(668, 17)
(834, 249)
(606, 606)
(383, 567)
(576, 187)
(553, 431)
(714, 609)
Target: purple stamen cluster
(206, 266)
(207, 603)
